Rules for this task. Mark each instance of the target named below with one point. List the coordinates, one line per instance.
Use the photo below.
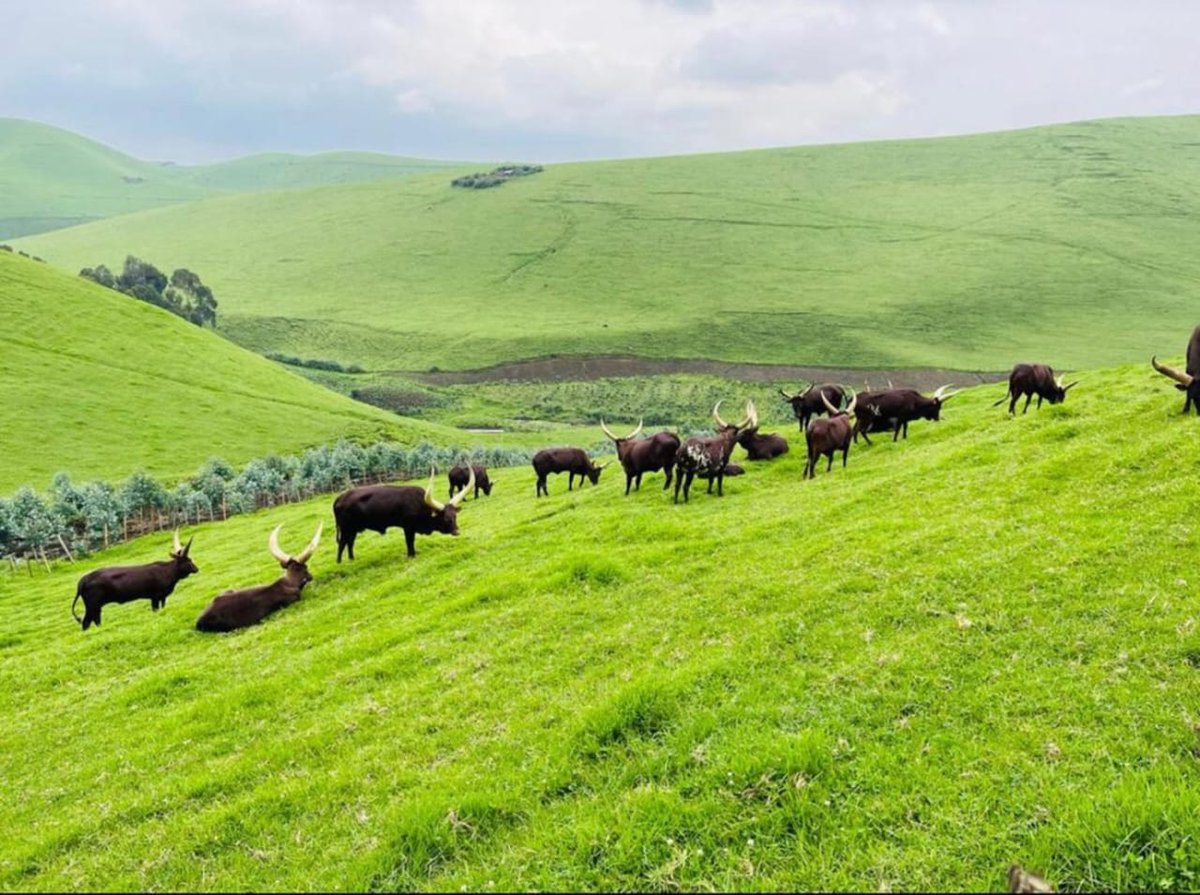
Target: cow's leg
(687, 485)
(154, 604)
(710, 480)
(678, 483)
(670, 467)
(1039, 407)
(721, 482)
(845, 453)
(1028, 398)
(638, 486)
(896, 432)
(1012, 405)
(410, 541)
(829, 465)
(628, 482)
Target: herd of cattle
(416, 511)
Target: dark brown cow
(1034, 379)
(380, 507)
(807, 404)
(762, 447)
(122, 584)
(639, 457)
(236, 609)
(1189, 381)
(731, 470)
(895, 408)
(708, 457)
(573, 461)
(460, 475)
(829, 435)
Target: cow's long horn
(1069, 386)
(788, 397)
(273, 546)
(187, 547)
(178, 547)
(717, 416)
(312, 546)
(825, 401)
(603, 465)
(461, 495)
(853, 403)
(941, 396)
(638, 431)
(1182, 378)
(751, 414)
(607, 431)
(431, 501)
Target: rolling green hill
(974, 647)
(98, 384)
(51, 178)
(1070, 244)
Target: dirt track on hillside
(605, 366)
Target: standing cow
(708, 457)
(829, 435)
(380, 507)
(895, 408)
(1034, 379)
(122, 584)
(236, 609)
(808, 403)
(460, 475)
(573, 461)
(1189, 381)
(639, 457)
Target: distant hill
(1072, 244)
(98, 384)
(52, 178)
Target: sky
(556, 80)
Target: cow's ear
(1182, 388)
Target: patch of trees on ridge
(330, 366)
(182, 294)
(484, 179)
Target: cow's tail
(1007, 395)
(75, 602)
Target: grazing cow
(122, 584)
(829, 435)
(1189, 381)
(762, 447)
(732, 470)
(380, 507)
(895, 409)
(236, 609)
(459, 476)
(573, 461)
(807, 404)
(639, 457)
(1034, 379)
(708, 457)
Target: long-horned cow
(380, 507)
(762, 447)
(640, 456)
(573, 461)
(242, 608)
(460, 475)
(708, 456)
(807, 404)
(824, 436)
(1034, 379)
(895, 408)
(1187, 381)
(122, 584)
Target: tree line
(71, 519)
(183, 294)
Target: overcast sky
(549, 80)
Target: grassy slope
(99, 384)
(52, 178)
(976, 646)
(968, 252)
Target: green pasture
(52, 178)
(1070, 245)
(973, 647)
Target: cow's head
(295, 568)
(622, 444)
(183, 563)
(734, 430)
(834, 413)
(933, 409)
(1185, 382)
(1058, 393)
(797, 399)
(445, 515)
(594, 471)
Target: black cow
(122, 584)
(573, 461)
(807, 404)
(380, 507)
(460, 475)
(1187, 382)
(1034, 379)
(829, 435)
(895, 408)
(242, 608)
(639, 457)
(762, 447)
(708, 457)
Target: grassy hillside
(98, 384)
(973, 647)
(51, 178)
(1069, 244)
